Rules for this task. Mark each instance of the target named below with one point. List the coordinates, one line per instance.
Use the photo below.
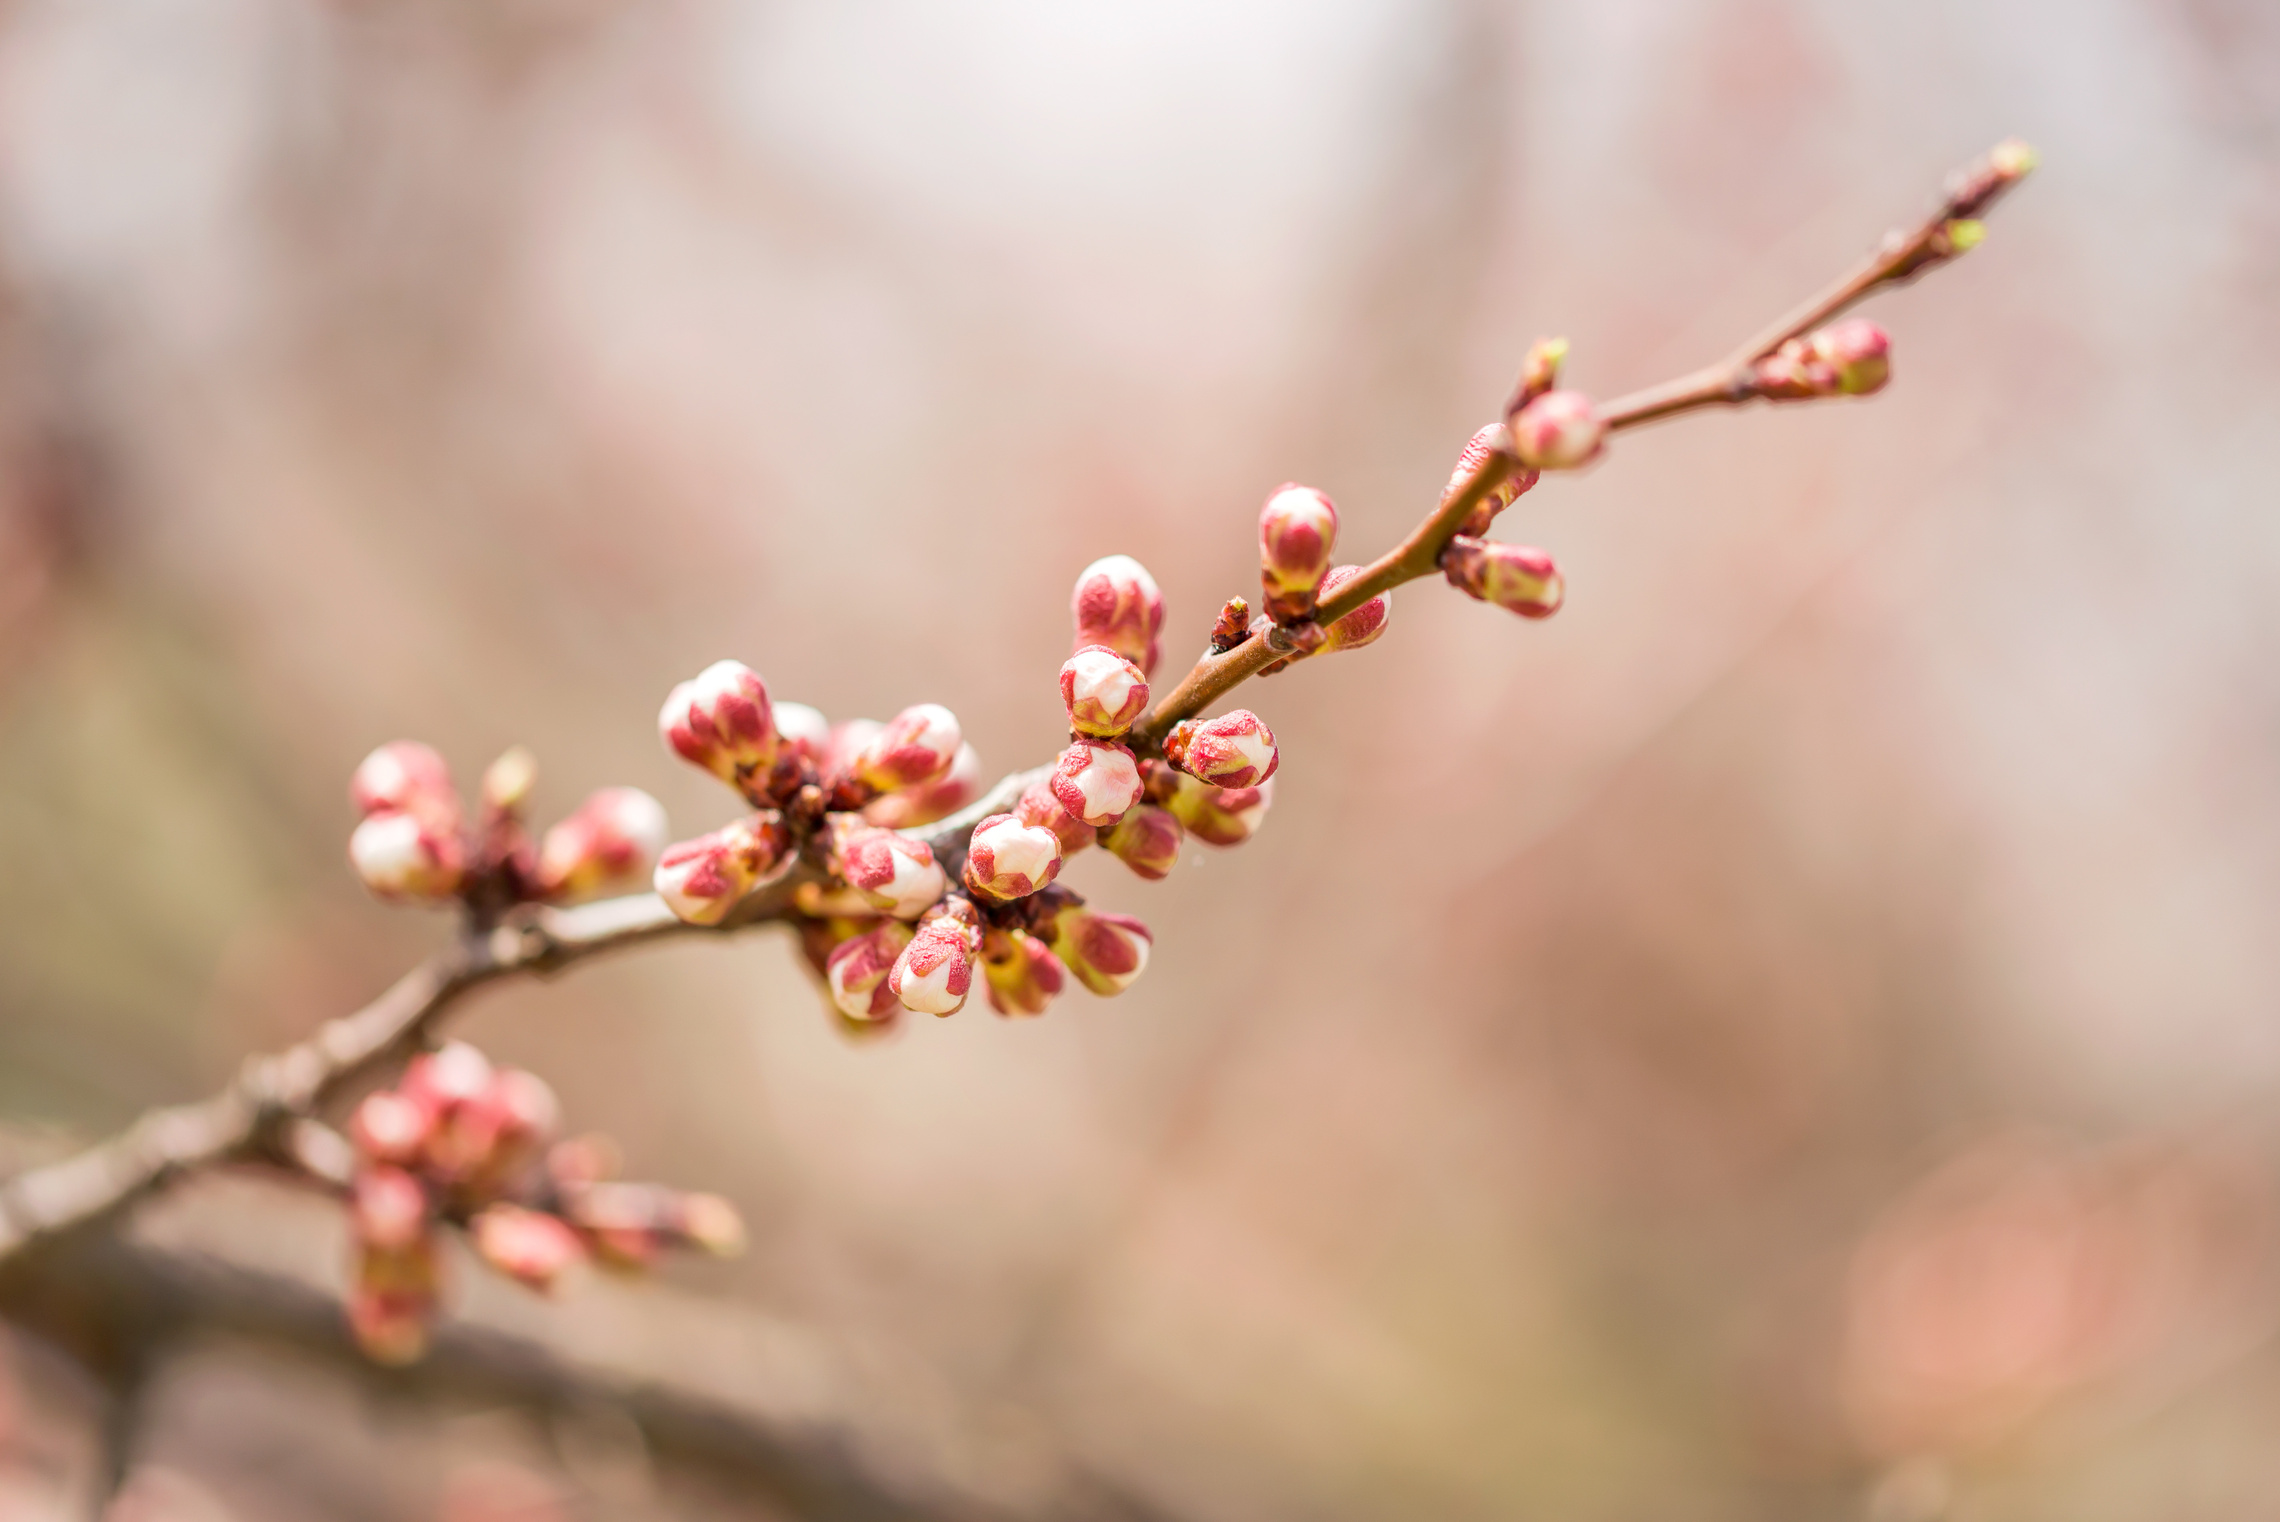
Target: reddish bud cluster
(461, 1141)
(1852, 358)
(415, 845)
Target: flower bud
(1857, 354)
(507, 781)
(1234, 750)
(721, 720)
(894, 873)
(1557, 431)
(857, 972)
(1116, 604)
(607, 846)
(1539, 371)
(391, 1127)
(1038, 806)
(1021, 974)
(1359, 627)
(1104, 693)
(387, 1209)
(1096, 781)
(1147, 840)
(528, 1116)
(907, 808)
(1512, 576)
(1297, 529)
(711, 1225)
(1489, 441)
(846, 742)
(405, 776)
(1217, 816)
(403, 855)
(802, 730)
(392, 1301)
(1105, 951)
(1007, 859)
(525, 1245)
(701, 880)
(1232, 627)
(936, 969)
(917, 745)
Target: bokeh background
(1796, 1035)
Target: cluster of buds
(459, 1141)
(414, 843)
(1516, 577)
(890, 929)
(1852, 358)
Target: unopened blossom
(1020, 973)
(526, 1245)
(407, 777)
(406, 855)
(627, 1225)
(389, 1126)
(711, 1224)
(1116, 603)
(1007, 859)
(393, 1298)
(701, 880)
(935, 971)
(1490, 441)
(857, 971)
(1557, 431)
(1360, 627)
(909, 807)
(1104, 692)
(1217, 816)
(1106, 952)
(917, 745)
(1234, 750)
(507, 782)
(721, 720)
(1857, 353)
(895, 874)
(1147, 840)
(608, 846)
(1539, 370)
(387, 1208)
(822, 934)
(1512, 576)
(1298, 528)
(844, 742)
(528, 1115)
(1038, 806)
(802, 730)
(1096, 781)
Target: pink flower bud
(525, 1245)
(1096, 781)
(848, 738)
(1234, 750)
(802, 730)
(1104, 693)
(1007, 859)
(607, 846)
(1106, 952)
(403, 855)
(701, 880)
(1297, 529)
(917, 745)
(387, 1209)
(721, 720)
(1038, 806)
(1487, 442)
(392, 1301)
(1116, 604)
(857, 972)
(1021, 973)
(1557, 431)
(507, 782)
(1857, 354)
(1217, 816)
(391, 1127)
(528, 1116)
(936, 969)
(893, 872)
(405, 776)
(1147, 840)
(909, 807)
(1510, 575)
(1359, 627)
(1539, 370)
(628, 1225)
